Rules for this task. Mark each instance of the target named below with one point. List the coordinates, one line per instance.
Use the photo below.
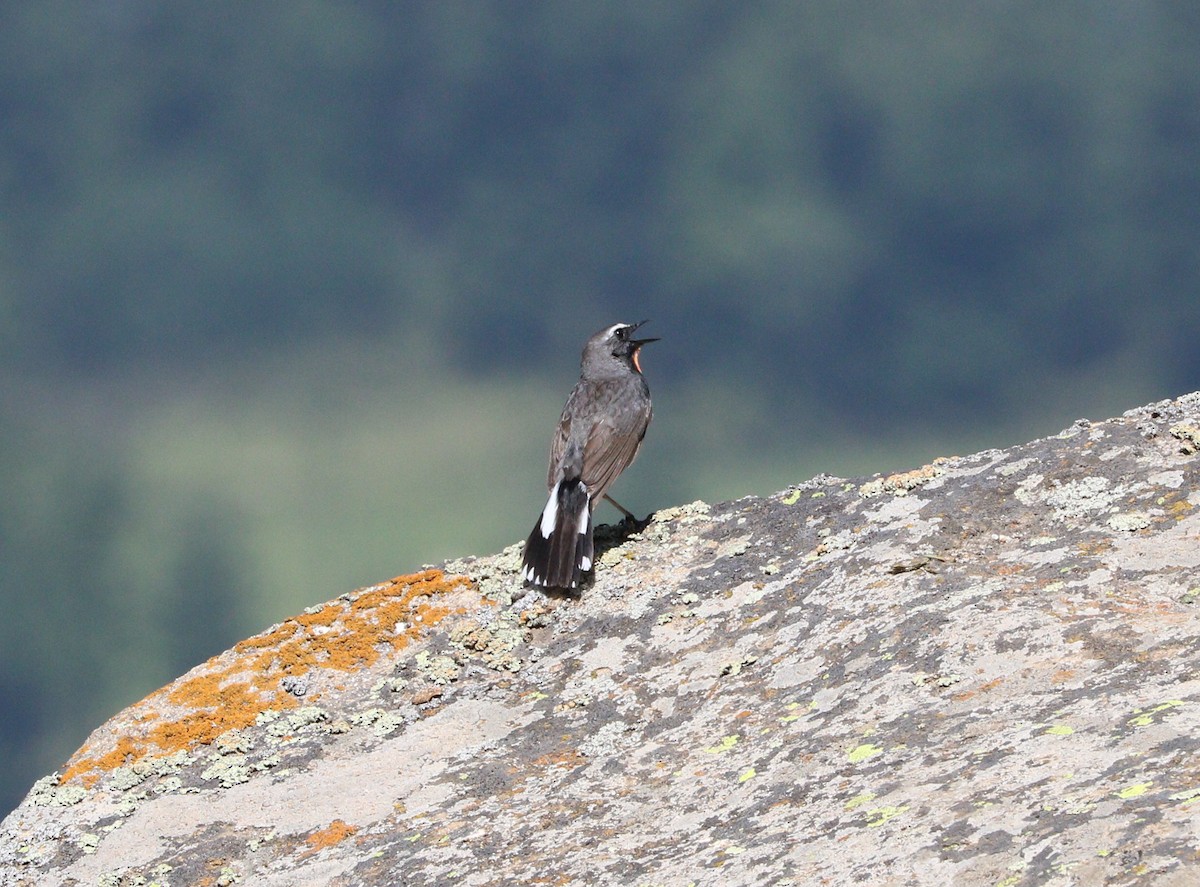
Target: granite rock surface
(983, 671)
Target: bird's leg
(638, 525)
(621, 508)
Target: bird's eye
(623, 333)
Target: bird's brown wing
(612, 445)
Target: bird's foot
(630, 524)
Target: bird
(598, 437)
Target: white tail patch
(584, 519)
(550, 513)
(585, 563)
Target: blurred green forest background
(291, 294)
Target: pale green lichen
(235, 742)
(724, 745)
(1134, 791)
(494, 641)
(859, 800)
(254, 844)
(228, 770)
(496, 576)
(439, 670)
(295, 721)
(125, 778)
(1129, 522)
(863, 752)
(881, 815)
(683, 514)
(1146, 716)
(47, 793)
(380, 721)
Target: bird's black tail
(559, 550)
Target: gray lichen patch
(493, 640)
(145, 770)
(1085, 497)
(381, 721)
(437, 669)
(295, 722)
(228, 770)
(46, 792)
(1189, 434)
(1130, 521)
(693, 512)
(494, 576)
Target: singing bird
(598, 437)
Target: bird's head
(616, 342)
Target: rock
(984, 671)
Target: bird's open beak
(640, 342)
(637, 344)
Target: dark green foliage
(196, 177)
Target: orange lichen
(568, 759)
(124, 750)
(330, 836)
(229, 692)
(327, 615)
(557, 881)
(982, 688)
